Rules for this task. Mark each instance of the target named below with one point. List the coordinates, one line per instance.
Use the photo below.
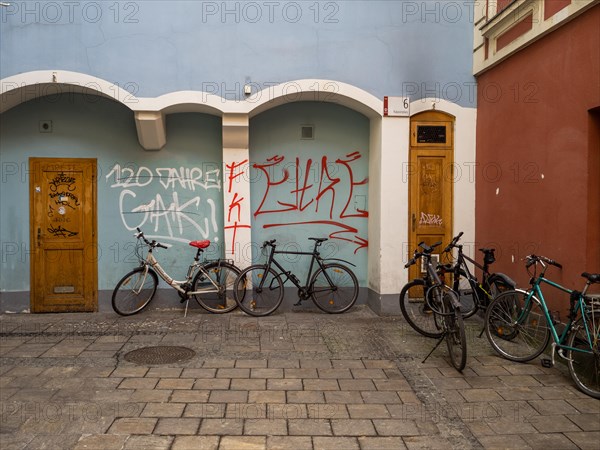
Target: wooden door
(430, 181)
(63, 235)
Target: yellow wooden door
(430, 181)
(63, 235)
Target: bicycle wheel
(334, 288)
(584, 365)
(455, 332)
(216, 299)
(255, 298)
(499, 286)
(134, 291)
(416, 311)
(516, 327)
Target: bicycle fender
(504, 278)
(337, 259)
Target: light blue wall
(326, 188)
(417, 48)
(91, 127)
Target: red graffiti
(236, 201)
(329, 193)
(234, 227)
(232, 167)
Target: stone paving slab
(294, 380)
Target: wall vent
(307, 132)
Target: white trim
(27, 86)
(150, 111)
(268, 98)
(316, 90)
(499, 23)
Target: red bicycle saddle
(200, 244)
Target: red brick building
(537, 65)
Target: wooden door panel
(430, 193)
(64, 286)
(430, 183)
(63, 235)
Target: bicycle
(480, 294)
(259, 290)
(445, 318)
(519, 325)
(415, 309)
(209, 282)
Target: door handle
(414, 222)
(39, 236)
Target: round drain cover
(162, 354)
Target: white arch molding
(150, 112)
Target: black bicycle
(478, 295)
(259, 288)
(441, 304)
(413, 304)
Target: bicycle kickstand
(481, 332)
(550, 362)
(187, 302)
(434, 347)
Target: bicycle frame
(578, 306)
(290, 276)
(436, 281)
(462, 257)
(481, 290)
(471, 278)
(152, 262)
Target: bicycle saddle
(200, 244)
(593, 277)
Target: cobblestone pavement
(297, 380)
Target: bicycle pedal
(547, 363)
(299, 303)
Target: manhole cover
(162, 354)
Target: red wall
(534, 119)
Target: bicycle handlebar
(153, 244)
(532, 259)
(412, 261)
(270, 243)
(453, 243)
(426, 251)
(426, 248)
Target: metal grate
(162, 354)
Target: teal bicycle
(518, 325)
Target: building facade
(235, 122)
(537, 65)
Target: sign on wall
(396, 106)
